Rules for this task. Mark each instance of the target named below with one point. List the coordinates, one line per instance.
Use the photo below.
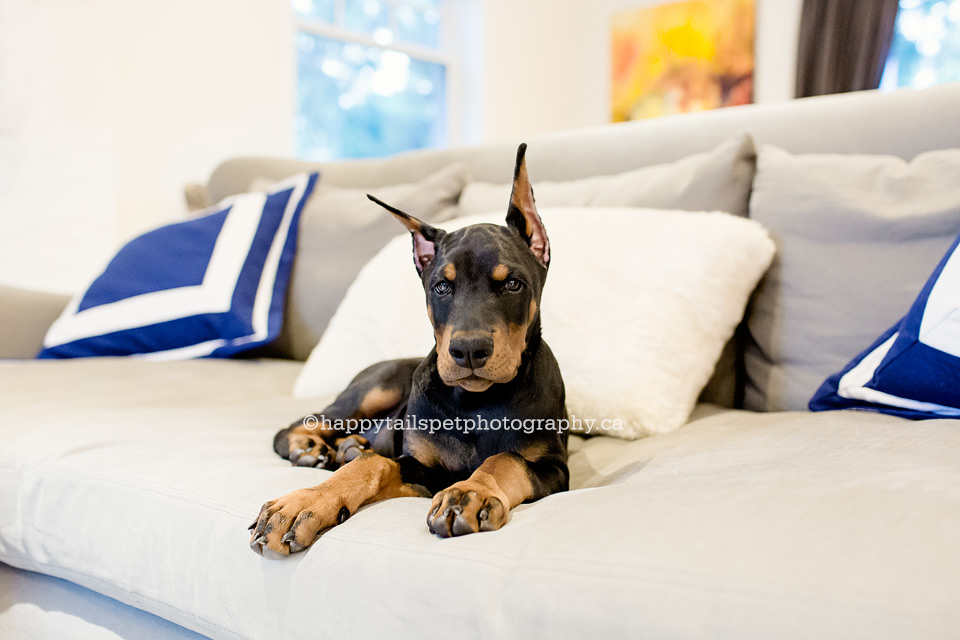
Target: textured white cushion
(637, 307)
(138, 480)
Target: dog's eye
(513, 285)
(442, 287)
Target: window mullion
(345, 35)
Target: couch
(126, 487)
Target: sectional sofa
(126, 486)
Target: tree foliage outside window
(926, 45)
(371, 78)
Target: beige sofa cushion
(25, 317)
(138, 480)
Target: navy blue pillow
(209, 287)
(912, 370)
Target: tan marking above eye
(500, 272)
(450, 272)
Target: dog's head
(483, 285)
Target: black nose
(471, 350)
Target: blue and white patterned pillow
(209, 287)
(912, 370)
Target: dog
(483, 285)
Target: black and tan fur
(483, 285)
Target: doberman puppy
(489, 367)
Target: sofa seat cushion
(38, 607)
(137, 480)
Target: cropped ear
(522, 214)
(425, 237)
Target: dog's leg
(324, 440)
(291, 523)
(483, 501)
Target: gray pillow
(717, 180)
(340, 230)
(857, 237)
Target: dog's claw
(461, 527)
(258, 544)
(253, 526)
(307, 461)
(442, 525)
(291, 540)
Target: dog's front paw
(291, 524)
(350, 448)
(304, 447)
(466, 507)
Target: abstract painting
(682, 57)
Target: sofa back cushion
(857, 236)
(340, 230)
(901, 123)
(714, 180)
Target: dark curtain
(843, 45)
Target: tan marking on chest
(446, 453)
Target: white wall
(547, 62)
(107, 107)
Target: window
(926, 45)
(371, 77)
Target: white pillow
(637, 307)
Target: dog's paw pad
(464, 509)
